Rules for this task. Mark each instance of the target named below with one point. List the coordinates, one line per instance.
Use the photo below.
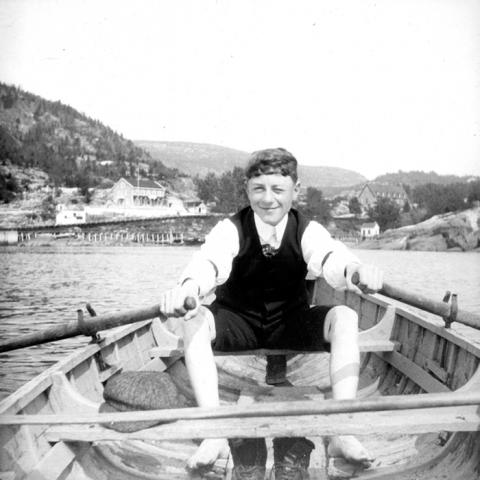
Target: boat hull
(425, 358)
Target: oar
(447, 311)
(87, 326)
(268, 409)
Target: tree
(8, 187)
(386, 213)
(316, 206)
(84, 182)
(48, 208)
(231, 194)
(207, 187)
(227, 191)
(473, 192)
(439, 199)
(354, 206)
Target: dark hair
(271, 161)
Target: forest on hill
(73, 149)
(414, 178)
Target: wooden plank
(465, 337)
(451, 362)
(414, 372)
(366, 345)
(86, 380)
(18, 448)
(53, 464)
(437, 370)
(380, 332)
(466, 366)
(64, 398)
(38, 445)
(369, 313)
(410, 422)
(156, 364)
(104, 375)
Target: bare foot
(208, 452)
(348, 447)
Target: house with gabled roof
(138, 192)
(371, 192)
(369, 230)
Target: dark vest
(266, 287)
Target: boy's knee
(341, 322)
(201, 324)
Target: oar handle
(355, 278)
(190, 303)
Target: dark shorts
(301, 329)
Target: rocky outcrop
(452, 231)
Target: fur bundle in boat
(144, 390)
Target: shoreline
(72, 243)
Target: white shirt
(268, 233)
(212, 264)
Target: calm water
(39, 288)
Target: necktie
(270, 249)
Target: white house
(176, 205)
(195, 206)
(138, 192)
(70, 217)
(369, 230)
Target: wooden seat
(374, 339)
(374, 346)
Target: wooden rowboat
(418, 408)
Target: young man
(257, 261)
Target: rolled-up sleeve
(326, 256)
(212, 264)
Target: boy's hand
(172, 302)
(370, 278)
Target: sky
(373, 86)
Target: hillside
(73, 149)
(199, 159)
(415, 178)
(194, 158)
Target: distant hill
(200, 158)
(73, 149)
(194, 158)
(325, 177)
(415, 177)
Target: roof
(379, 188)
(143, 183)
(369, 225)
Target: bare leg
(341, 330)
(198, 334)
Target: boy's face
(271, 196)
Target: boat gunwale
(41, 382)
(433, 323)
